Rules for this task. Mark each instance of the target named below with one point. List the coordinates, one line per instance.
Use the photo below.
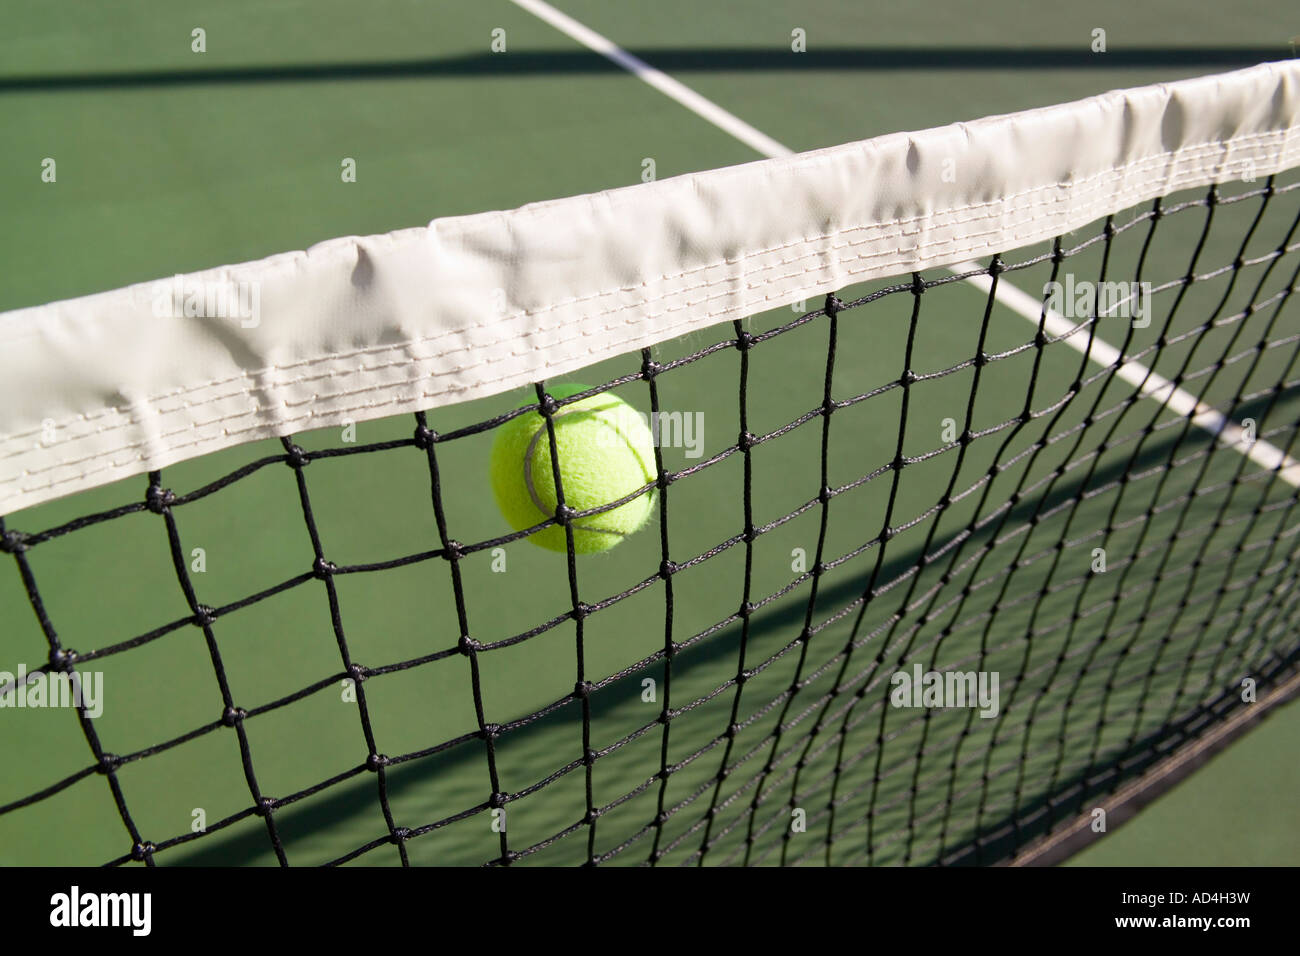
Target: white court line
(706, 109)
(1151, 385)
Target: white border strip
(102, 388)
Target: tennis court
(946, 511)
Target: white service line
(1153, 386)
(665, 84)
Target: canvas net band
(111, 385)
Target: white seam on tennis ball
(647, 471)
(532, 447)
(528, 459)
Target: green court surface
(171, 161)
(1237, 807)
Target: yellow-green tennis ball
(606, 453)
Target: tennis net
(1058, 476)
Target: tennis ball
(606, 453)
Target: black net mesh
(910, 477)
